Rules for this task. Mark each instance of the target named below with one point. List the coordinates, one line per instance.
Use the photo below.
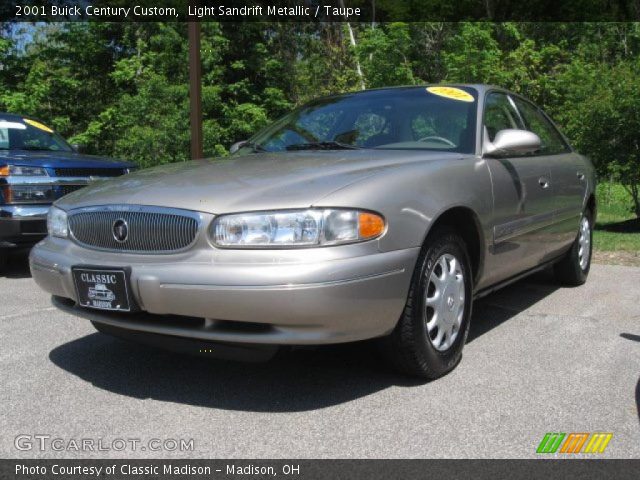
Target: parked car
(37, 166)
(381, 213)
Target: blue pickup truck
(37, 166)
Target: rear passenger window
(499, 114)
(536, 122)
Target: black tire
(98, 327)
(409, 346)
(3, 260)
(569, 270)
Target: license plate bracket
(102, 288)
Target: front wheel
(3, 260)
(574, 267)
(430, 335)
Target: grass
(617, 228)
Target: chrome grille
(150, 230)
(67, 189)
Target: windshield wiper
(331, 145)
(256, 147)
(37, 149)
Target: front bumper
(22, 224)
(306, 296)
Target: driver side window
(500, 114)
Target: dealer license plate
(102, 289)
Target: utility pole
(195, 90)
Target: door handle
(544, 182)
(580, 176)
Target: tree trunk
(636, 199)
(352, 40)
(373, 14)
(488, 9)
(634, 190)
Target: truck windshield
(408, 118)
(26, 134)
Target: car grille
(89, 172)
(67, 189)
(33, 227)
(150, 230)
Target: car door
(567, 172)
(522, 194)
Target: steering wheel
(437, 139)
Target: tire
(414, 346)
(573, 268)
(3, 260)
(98, 327)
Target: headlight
(28, 193)
(295, 228)
(57, 223)
(21, 171)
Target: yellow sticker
(452, 93)
(39, 125)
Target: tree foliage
(122, 89)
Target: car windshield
(412, 118)
(27, 134)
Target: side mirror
(512, 142)
(237, 146)
(78, 148)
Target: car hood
(245, 183)
(52, 159)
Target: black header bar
(319, 10)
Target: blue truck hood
(59, 159)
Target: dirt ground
(630, 259)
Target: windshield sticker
(452, 93)
(13, 125)
(39, 125)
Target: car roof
(480, 88)
(14, 116)
(477, 86)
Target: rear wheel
(430, 335)
(3, 260)
(574, 267)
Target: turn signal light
(370, 225)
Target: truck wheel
(3, 260)
(574, 267)
(428, 339)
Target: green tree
(122, 88)
(603, 116)
(385, 55)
